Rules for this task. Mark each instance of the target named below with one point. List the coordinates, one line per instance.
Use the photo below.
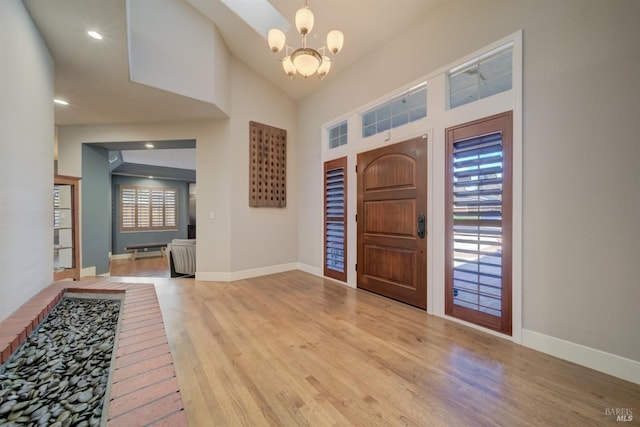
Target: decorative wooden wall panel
(267, 166)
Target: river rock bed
(59, 375)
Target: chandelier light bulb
(288, 67)
(324, 68)
(304, 20)
(276, 39)
(335, 40)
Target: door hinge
(356, 267)
(356, 168)
(356, 217)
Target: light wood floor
(293, 349)
(142, 267)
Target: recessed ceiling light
(149, 145)
(60, 101)
(150, 176)
(96, 35)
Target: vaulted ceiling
(94, 76)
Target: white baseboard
(205, 276)
(213, 276)
(316, 271)
(608, 363)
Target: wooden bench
(134, 248)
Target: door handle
(421, 226)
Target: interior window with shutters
(335, 226)
(148, 208)
(478, 272)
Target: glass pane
(65, 258)
(400, 120)
(417, 99)
(384, 125)
(464, 79)
(369, 118)
(492, 76)
(496, 66)
(338, 135)
(499, 84)
(369, 130)
(65, 238)
(400, 106)
(463, 97)
(383, 113)
(63, 217)
(418, 113)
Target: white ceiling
(94, 76)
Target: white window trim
(439, 117)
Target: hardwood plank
(294, 349)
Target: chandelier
(305, 60)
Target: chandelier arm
(286, 51)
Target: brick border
(144, 386)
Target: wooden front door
(392, 208)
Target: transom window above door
(397, 111)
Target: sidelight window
(335, 226)
(479, 222)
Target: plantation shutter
(148, 208)
(477, 223)
(335, 225)
(170, 208)
(128, 203)
(143, 208)
(157, 208)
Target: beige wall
(261, 237)
(581, 151)
(26, 149)
(212, 173)
(239, 238)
